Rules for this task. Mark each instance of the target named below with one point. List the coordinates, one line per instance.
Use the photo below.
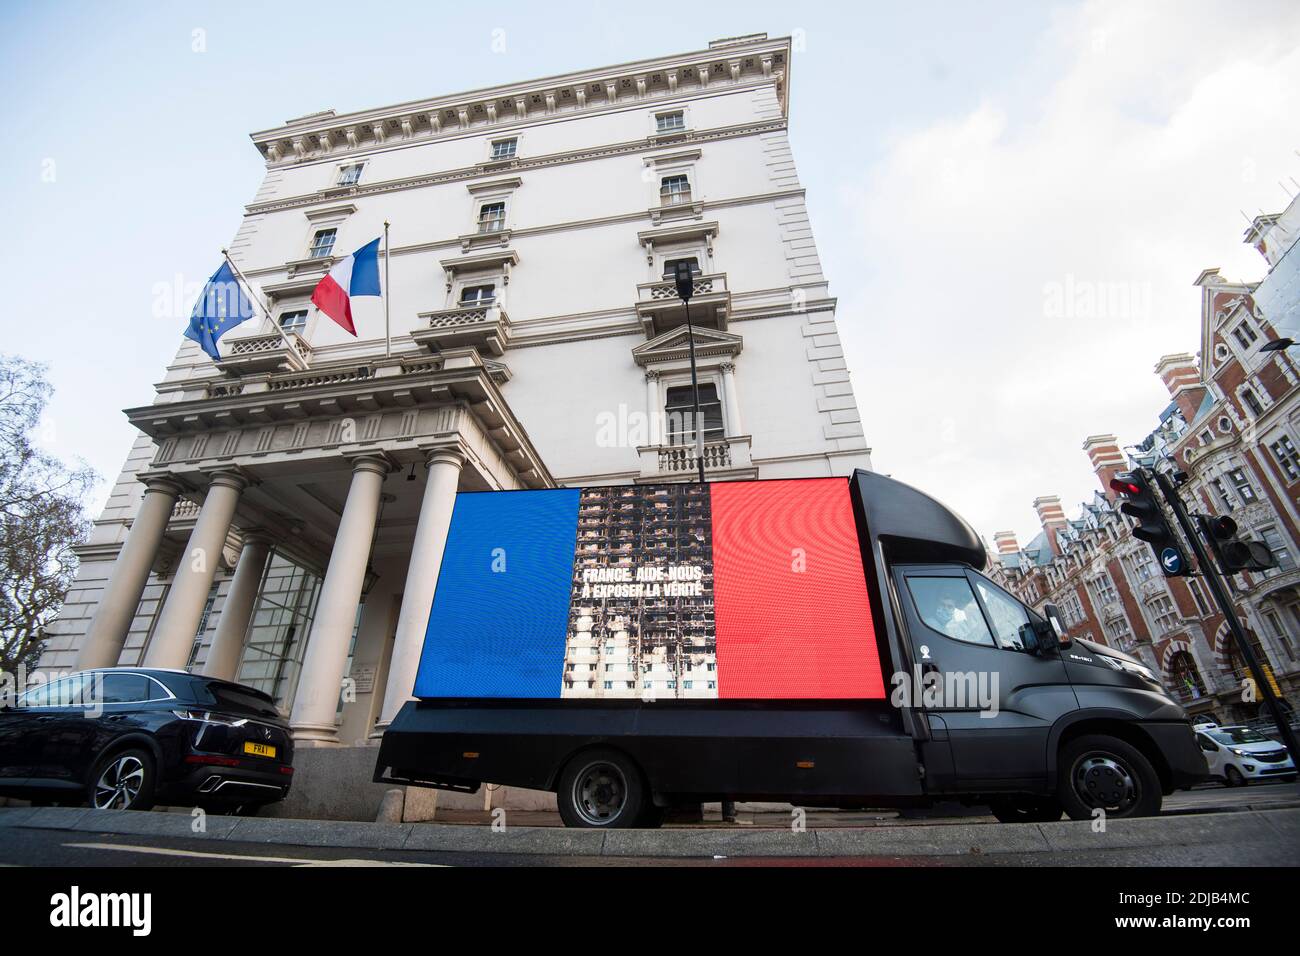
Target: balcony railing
(660, 309)
(272, 352)
(669, 461)
(484, 327)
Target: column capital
(229, 478)
(378, 462)
(727, 368)
(651, 375)
(162, 484)
(257, 536)
(443, 455)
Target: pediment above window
(673, 346)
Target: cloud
(1024, 265)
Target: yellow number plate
(258, 750)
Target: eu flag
(222, 306)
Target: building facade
(1233, 427)
(281, 517)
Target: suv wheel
(601, 789)
(123, 781)
(1105, 773)
(1233, 777)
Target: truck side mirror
(1053, 615)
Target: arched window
(1186, 679)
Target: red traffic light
(1125, 486)
(1222, 527)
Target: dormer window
(322, 243)
(674, 190)
(492, 217)
(350, 175)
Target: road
(22, 846)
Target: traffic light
(1234, 554)
(1141, 504)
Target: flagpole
(388, 335)
(260, 304)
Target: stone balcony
(271, 352)
(484, 327)
(729, 457)
(659, 308)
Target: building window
(1287, 458)
(1073, 609)
(478, 295)
(1185, 677)
(1119, 633)
(1221, 493)
(670, 122)
(294, 321)
(504, 148)
(680, 413)
(1245, 491)
(1198, 595)
(1207, 437)
(1163, 613)
(1103, 590)
(1245, 335)
(670, 266)
(1252, 402)
(492, 217)
(674, 190)
(350, 175)
(1276, 544)
(1143, 565)
(322, 244)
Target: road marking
(293, 861)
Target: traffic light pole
(1211, 574)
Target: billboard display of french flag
(357, 274)
(731, 590)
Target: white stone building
(280, 519)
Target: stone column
(107, 632)
(321, 682)
(173, 637)
(734, 427)
(421, 580)
(232, 627)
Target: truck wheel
(1026, 810)
(1104, 773)
(601, 789)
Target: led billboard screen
(734, 590)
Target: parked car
(130, 738)
(1238, 755)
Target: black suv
(128, 738)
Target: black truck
(988, 701)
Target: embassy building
(281, 517)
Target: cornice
(319, 135)
(520, 164)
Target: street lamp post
(685, 282)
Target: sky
(1011, 200)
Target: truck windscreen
(735, 590)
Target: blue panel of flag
(501, 608)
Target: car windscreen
(233, 698)
(1239, 735)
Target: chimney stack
(1107, 460)
(1006, 542)
(1052, 515)
(1181, 374)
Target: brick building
(1233, 425)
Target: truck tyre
(1104, 773)
(602, 789)
(1026, 809)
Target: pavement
(1265, 835)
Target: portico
(351, 473)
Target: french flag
(358, 274)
